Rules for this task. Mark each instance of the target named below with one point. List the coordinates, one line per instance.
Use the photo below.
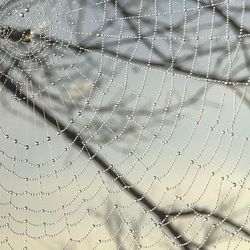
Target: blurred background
(124, 124)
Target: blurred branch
(78, 142)
(165, 62)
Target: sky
(193, 159)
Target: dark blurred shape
(15, 35)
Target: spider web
(124, 124)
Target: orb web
(124, 124)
